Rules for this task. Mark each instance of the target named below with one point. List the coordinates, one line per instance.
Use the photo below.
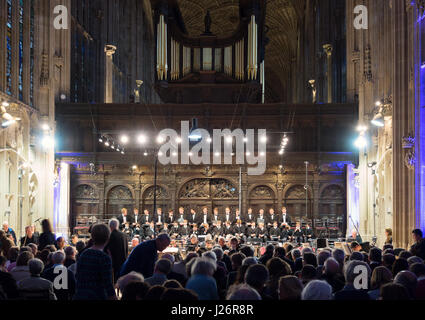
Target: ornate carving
(410, 159)
(421, 6)
(333, 192)
(120, 193)
(262, 192)
(221, 188)
(85, 192)
(44, 73)
(296, 192)
(328, 49)
(408, 142)
(198, 188)
(161, 193)
(367, 65)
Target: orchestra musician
(297, 234)
(285, 233)
(275, 232)
(170, 218)
(228, 228)
(249, 217)
(262, 232)
(195, 230)
(175, 230)
(217, 230)
(150, 231)
(237, 215)
(135, 219)
(239, 229)
(204, 230)
(193, 217)
(165, 229)
(251, 232)
(308, 233)
(184, 229)
(227, 215)
(159, 219)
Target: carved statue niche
(222, 189)
(161, 193)
(208, 22)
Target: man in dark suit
(193, 217)
(216, 217)
(248, 218)
(117, 247)
(418, 249)
(170, 218)
(135, 219)
(271, 218)
(205, 217)
(146, 217)
(143, 257)
(239, 229)
(181, 215)
(275, 232)
(227, 216)
(261, 217)
(123, 218)
(284, 217)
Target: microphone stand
(355, 227)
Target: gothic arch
(113, 186)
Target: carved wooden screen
(295, 202)
(211, 193)
(262, 197)
(162, 199)
(84, 205)
(332, 202)
(119, 197)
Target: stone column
(109, 52)
(328, 50)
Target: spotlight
(248, 154)
(122, 152)
(145, 154)
(264, 139)
(245, 139)
(107, 143)
(190, 154)
(378, 103)
(48, 142)
(209, 140)
(113, 147)
(101, 139)
(361, 128)
(45, 127)
(160, 154)
(217, 154)
(229, 139)
(178, 140)
(134, 167)
(281, 151)
(360, 142)
(124, 139)
(141, 139)
(5, 104)
(160, 139)
(262, 154)
(174, 154)
(378, 120)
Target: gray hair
(203, 266)
(248, 261)
(306, 250)
(210, 254)
(349, 273)
(317, 290)
(169, 256)
(70, 251)
(163, 266)
(58, 257)
(331, 266)
(218, 252)
(36, 266)
(338, 255)
(295, 253)
(130, 277)
(414, 259)
(114, 223)
(242, 292)
(322, 257)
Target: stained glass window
(32, 54)
(21, 48)
(9, 48)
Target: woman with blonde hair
(388, 236)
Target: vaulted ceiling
(282, 20)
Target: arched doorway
(262, 197)
(212, 193)
(162, 199)
(332, 208)
(295, 202)
(119, 197)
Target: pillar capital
(110, 50)
(328, 49)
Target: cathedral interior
(342, 103)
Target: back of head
(388, 260)
(400, 265)
(237, 259)
(12, 254)
(164, 266)
(36, 266)
(310, 258)
(58, 257)
(172, 284)
(70, 251)
(135, 290)
(179, 294)
(46, 226)
(380, 276)
(405, 254)
(269, 249)
(290, 288)
(256, 276)
(338, 255)
(113, 224)
(248, 251)
(418, 269)
(248, 261)
(80, 246)
(415, 259)
(375, 255)
(203, 266)
(308, 272)
(408, 280)
(169, 257)
(394, 292)
(278, 268)
(218, 253)
(242, 292)
(133, 276)
(295, 253)
(100, 234)
(154, 293)
(331, 267)
(317, 290)
(357, 256)
(24, 258)
(322, 257)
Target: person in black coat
(275, 232)
(7, 282)
(117, 247)
(418, 249)
(9, 231)
(47, 237)
(30, 237)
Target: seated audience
(317, 290)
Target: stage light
(248, 154)
(190, 154)
(145, 154)
(113, 147)
(134, 167)
(262, 154)
(174, 154)
(229, 139)
(281, 151)
(141, 139)
(160, 154)
(178, 140)
(48, 142)
(5, 104)
(263, 139)
(378, 103)
(101, 139)
(118, 149)
(209, 140)
(124, 139)
(217, 154)
(107, 143)
(122, 152)
(360, 142)
(362, 128)
(45, 127)
(280, 167)
(245, 139)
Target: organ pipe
(175, 60)
(161, 49)
(252, 49)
